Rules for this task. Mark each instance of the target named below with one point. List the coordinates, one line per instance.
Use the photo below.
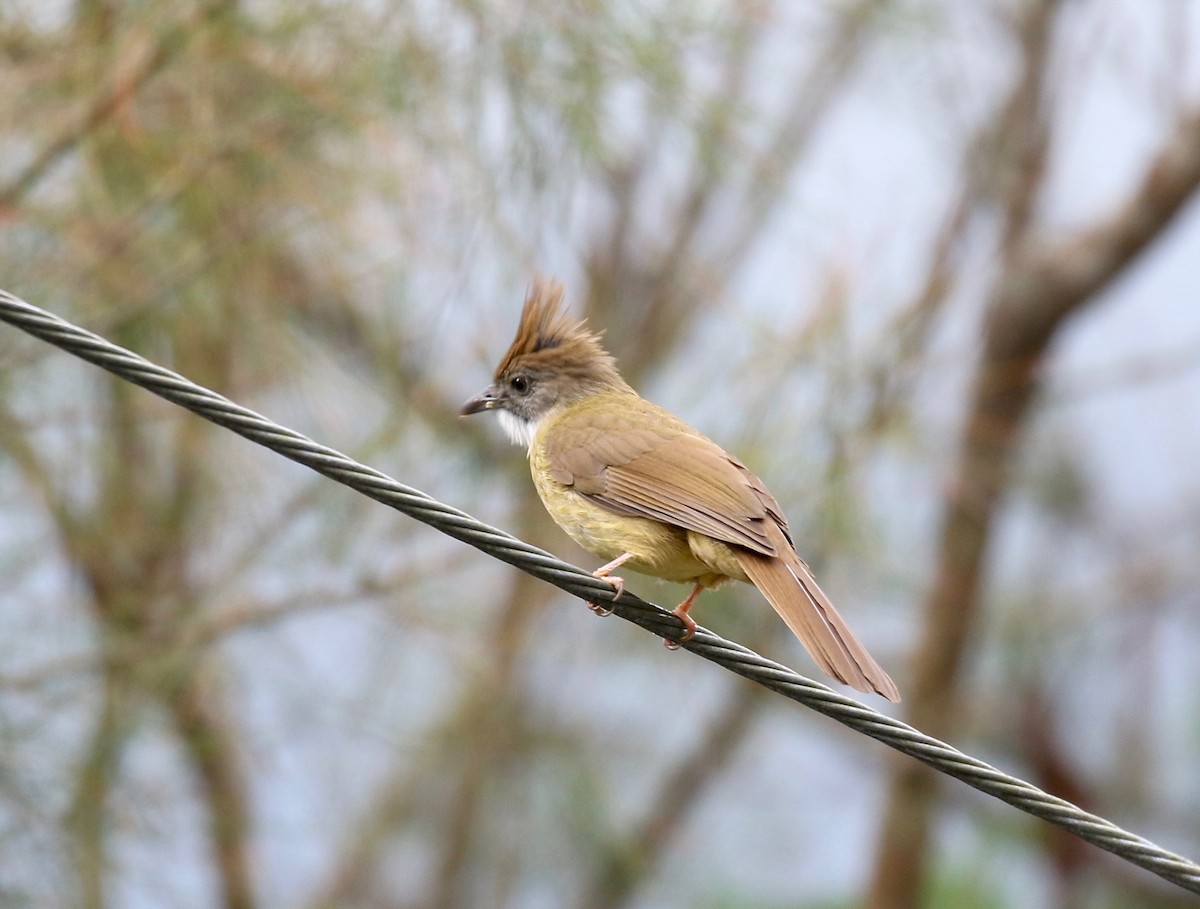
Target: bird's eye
(520, 384)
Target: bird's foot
(689, 624)
(603, 609)
(600, 609)
(689, 630)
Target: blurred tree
(852, 240)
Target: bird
(634, 484)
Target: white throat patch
(520, 431)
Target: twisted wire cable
(728, 654)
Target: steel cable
(732, 656)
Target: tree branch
(626, 864)
(203, 729)
(1035, 294)
(107, 101)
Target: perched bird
(634, 484)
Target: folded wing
(644, 461)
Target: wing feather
(649, 463)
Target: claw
(602, 609)
(689, 624)
(617, 582)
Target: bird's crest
(548, 339)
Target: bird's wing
(640, 460)
(643, 461)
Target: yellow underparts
(659, 550)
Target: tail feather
(790, 587)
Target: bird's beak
(487, 400)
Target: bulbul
(633, 484)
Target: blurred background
(929, 267)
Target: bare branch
(202, 726)
(107, 102)
(1039, 289)
(626, 864)
(87, 816)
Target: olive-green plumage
(634, 484)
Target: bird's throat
(520, 430)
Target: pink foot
(603, 609)
(689, 624)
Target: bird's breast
(659, 550)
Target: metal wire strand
(734, 657)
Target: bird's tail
(790, 587)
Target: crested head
(551, 341)
(553, 360)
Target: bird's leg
(619, 583)
(681, 612)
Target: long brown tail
(790, 587)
